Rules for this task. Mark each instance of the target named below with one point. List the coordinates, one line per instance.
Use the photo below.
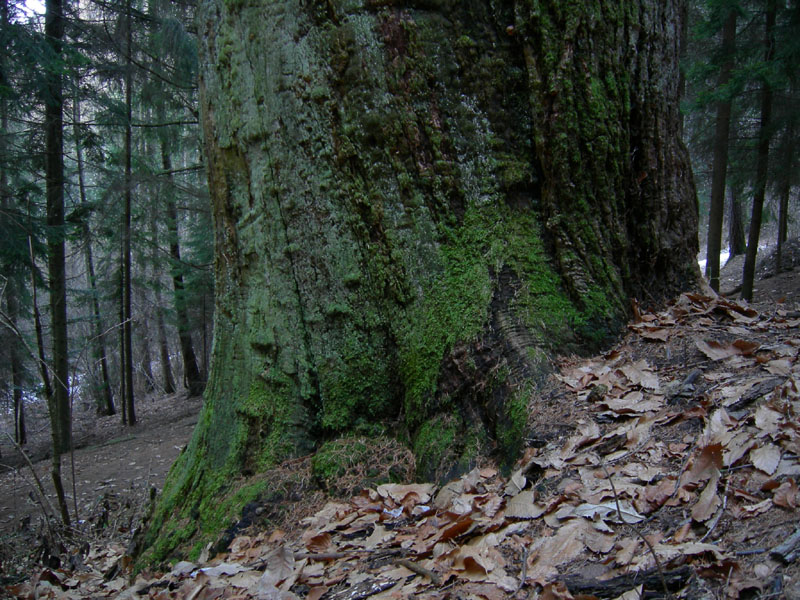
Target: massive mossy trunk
(415, 203)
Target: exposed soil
(115, 466)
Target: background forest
(106, 236)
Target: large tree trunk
(415, 203)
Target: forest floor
(694, 413)
(115, 466)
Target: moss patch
(445, 447)
(347, 465)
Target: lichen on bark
(415, 202)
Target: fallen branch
(612, 588)
(412, 566)
(365, 589)
(787, 551)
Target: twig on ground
(419, 570)
(718, 514)
(728, 581)
(682, 469)
(524, 572)
(635, 529)
(39, 487)
(789, 549)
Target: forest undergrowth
(665, 467)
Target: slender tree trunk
(762, 162)
(168, 381)
(12, 305)
(414, 204)
(143, 336)
(204, 372)
(166, 364)
(58, 403)
(191, 373)
(720, 165)
(784, 192)
(37, 325)
(105, 405)
(736, 239)
(123, 385)
(48, 387)
(11, 292)
(127, 327)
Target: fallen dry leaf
(708, 502)
(420, 492)
(523, 506)
(753, 509)
(607, 512)
(719, 351)
(641, 373)
(706, 464)
(786, 494)
(766, 458)
(633, 594)
(565, 545)
(782, 367)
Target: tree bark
(11, 293)
(168, 381)
(762, 161)
(415, 203)
(193, 379)
(123, 386)
(719, 169)
(144, 367)
(54, 182)
(127, 317)
(105, 405)
(784, 191)
(736, 239)
(12, 304)
(58, 401)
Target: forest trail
(114, 464)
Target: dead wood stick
(637, 532)
(328, 555)
(40, 488)
(319, 556)
(524, 572)
(419, 570)
(788, 550)
(616, 586)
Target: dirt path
(116, 464)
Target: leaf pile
(680, 473)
